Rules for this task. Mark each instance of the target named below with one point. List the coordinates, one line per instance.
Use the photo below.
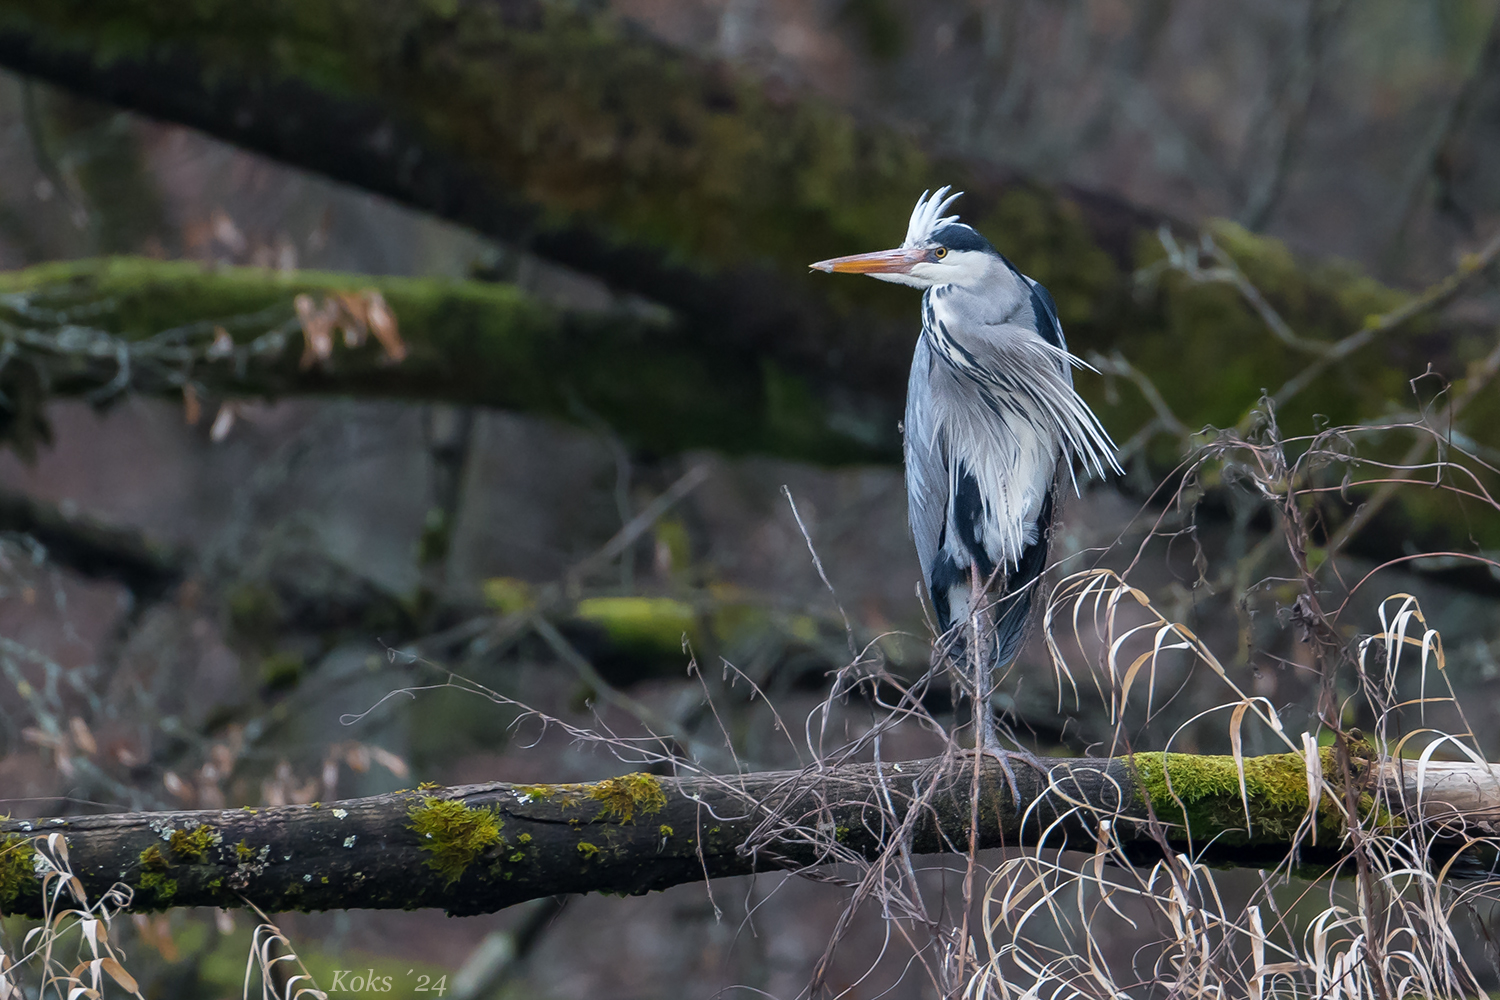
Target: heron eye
(940, 252)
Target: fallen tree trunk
(479, 848)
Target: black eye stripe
(957, 236)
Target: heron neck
(993, 299)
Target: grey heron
(993, 430)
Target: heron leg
(983, 675)
(983, 672)
(987, 737)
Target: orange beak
(898, 261)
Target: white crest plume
(927, 217)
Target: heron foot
(990, 744)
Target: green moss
(536, 793)
(664, 830)
(587, 850)
(1202, 793)
(622, 796)
(244, 852)
(641, 624)
(282, 671)
(158, 888)
(453, 834)
(17, 869)
(524, 838)
(508, 595)
(192, 845)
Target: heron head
(938, 250)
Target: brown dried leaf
(357, 756)
(83, 738)
(317, 329)
(191, 408)
(383, 325)
(118, 974)
(177, 787)
(389, 761)
(353, 318)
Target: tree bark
(479, 848)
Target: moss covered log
(478, 848)
(95, 327)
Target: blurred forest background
(208, 587)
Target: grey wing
(1048, 327)
(1045, 310)
(926, 463)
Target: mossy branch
(479, 848)
(99, 328)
